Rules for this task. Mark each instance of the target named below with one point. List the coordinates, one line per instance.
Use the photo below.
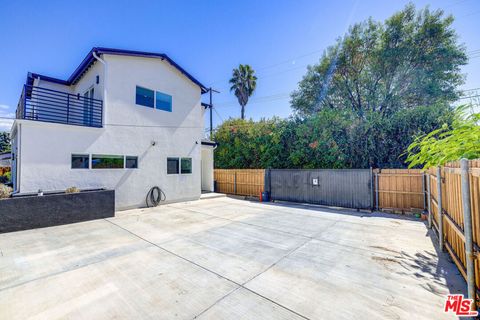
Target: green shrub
(452, 142)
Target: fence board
(453, 222)
(400, 189)
(245, 182)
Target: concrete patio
(225, 258)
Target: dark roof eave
(89, 59)
(209, 143)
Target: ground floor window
(131, 162)
(173, 166)
(186, 165)
(107, 162)
(80, 161)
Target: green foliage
(410, 60)
(448, 143)
(4, 142)
(328, 139)
(249, 144)
(243, 84)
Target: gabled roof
(90, 59)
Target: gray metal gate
(350, 188)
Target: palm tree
(243, 84)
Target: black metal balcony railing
(42, 104)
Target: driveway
(226, 258)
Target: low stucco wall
(30, 212)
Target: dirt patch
(386, 262)
(385, 249)
(384, 259)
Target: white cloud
(6, 112)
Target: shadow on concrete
(437, 268)
(362, 213)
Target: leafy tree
(452, 142)
(4, 142)
(411, 59)
(364, 103)
(249, 144)
(243, 84)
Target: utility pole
(211, 111)
(211, 115)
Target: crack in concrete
(290, 252)
(251, 224)
(239, 285)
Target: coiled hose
(154, 197)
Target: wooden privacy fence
(399, 189)
(245, 182)
(453, 200)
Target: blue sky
(208, 38)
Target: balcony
(46, 105)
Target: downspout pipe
(105, 68)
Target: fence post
(467, 228)
(266, 181)
(429, 200)
(235, 182)
(377, 187)
(372, 204)
(440, 210)
(423, 190)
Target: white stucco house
(124, 120)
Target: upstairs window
(145, 97)
(163, 101)
(153, 99)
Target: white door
(207, 168)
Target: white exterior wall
(87, 81)
(128, 129)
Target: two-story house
(124, 120)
